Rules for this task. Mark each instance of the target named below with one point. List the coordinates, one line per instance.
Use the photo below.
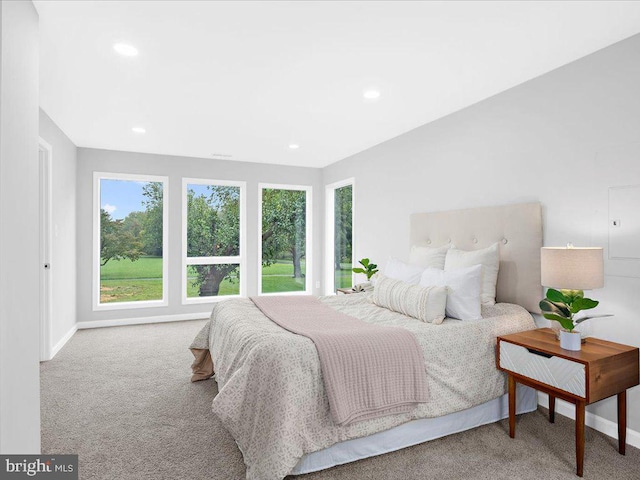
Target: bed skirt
(415, 432)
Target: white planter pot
(570, 340)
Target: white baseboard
(594, 421)
(67, 336)
(144, 320)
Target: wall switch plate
(317, 284)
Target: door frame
(45, 169)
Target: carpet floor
(121, 399)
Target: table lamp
(567, 271)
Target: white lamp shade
(572, 268)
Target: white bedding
(271, 396)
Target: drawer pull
(541, 354)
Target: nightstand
(600, 370)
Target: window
(130, 235)
(285, 247)
(213, 222)
(339, 251)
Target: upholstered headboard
(517, 228)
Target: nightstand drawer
(556, 372)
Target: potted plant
(369, 269)
(562, 306)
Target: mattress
(271, 395)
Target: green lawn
(144, 267)
(127, 281)
(278, 277)
(343, 276)
(273, 284)
(130, 290)
(281, 267)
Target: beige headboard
(518, 229)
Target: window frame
(240, 259)
(330, 228)
(97, 305)
(308, 278)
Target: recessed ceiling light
(294, 146)
(140, 130)
(125, 50)
(371, 94)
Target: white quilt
(271, 395)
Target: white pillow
(488, 257)
(424, 303)
(428, 257)
(463, 298)
(400, 270)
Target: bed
(271, 394)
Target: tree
(152, 222)
(284, 226)
(134, 224)
(213, 229)
(140, 233)
(343, 225)
(116, 242)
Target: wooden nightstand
(600, 370)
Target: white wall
(561, 139)
(92, 160)
(63, 268)
(19, 266)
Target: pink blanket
(368, 371)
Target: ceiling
(247, 79)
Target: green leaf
(371, 273)
(372, 266)
(364, 262)
(566, 323)
(358, 270)
(583, 304)
(572, 295)
(588, 317)
(557, 308)
(556, 296)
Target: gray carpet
(121, 399)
